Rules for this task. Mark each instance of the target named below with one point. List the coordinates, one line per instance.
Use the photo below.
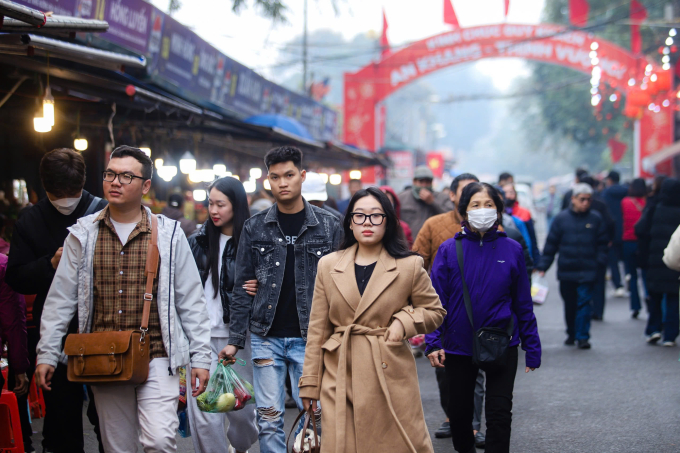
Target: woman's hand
(529, 369)
(437, 358)
(306, 402)
(22, 384)
(251, 287)
(227, 356)
(396, 332)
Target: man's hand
(426, 196)
(396, 332)
(437, 358)
(21, 385)
(527, 369)
(306, 402)
(203, 376)
(43, 376)
(251, 287)
(56, 258)
(228, 355)
(541, 274)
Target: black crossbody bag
(489, 344)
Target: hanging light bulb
(40, 125)
(256, 173)
(159, 163)
(80, 144)
(669, 41)
(187, 163)
(146, 150)
(48, 106)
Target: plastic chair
(11, 439)
(36, 401)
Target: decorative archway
(366, 89)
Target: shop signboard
(179, 57)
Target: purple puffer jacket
(499, 287)
(13, 322)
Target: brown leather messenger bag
(116, 357)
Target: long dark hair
(394, 240)
(233, 189)
(637, 188)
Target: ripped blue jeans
(273, 357)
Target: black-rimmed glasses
(123, 178)
(360, 218)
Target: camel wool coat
(368, 388)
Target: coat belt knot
(374, 337)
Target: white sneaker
(668, 344)
(233, 450)
(654, 338)
(620, 292)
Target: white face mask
(66, 206)
(482, 219)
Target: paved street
(621, 396)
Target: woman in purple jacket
(13, 330)
(499, 289)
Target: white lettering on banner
(183, 47)
(133, 20)
(207, 62)
(544, 31)
(535, 49)
(578, 39)
(307, 110)
(477, 33)
(518, 31)
(573, 55)
(613, 68)
(448, 57)
(249, 86)
(446, 40)
(403, 74)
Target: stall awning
(34, 45)
(650, 162)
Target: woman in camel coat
(369, 298)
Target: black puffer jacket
(657, 226)
(199, 248)
(581, 240)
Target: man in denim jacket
(280, 247)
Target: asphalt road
(621, 396)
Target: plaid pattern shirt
(119, 282)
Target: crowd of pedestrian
(319, 295)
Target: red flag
(450, 14)
(618, 149)
(384, 42)
(507, 7)
(578, 12)
(638, 13)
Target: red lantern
(609, 116)
(605, 130)
(663, 81)
(632, 111)
(638, 97)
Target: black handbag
(489, 344)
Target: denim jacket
(262, 255)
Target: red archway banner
(555, 44)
